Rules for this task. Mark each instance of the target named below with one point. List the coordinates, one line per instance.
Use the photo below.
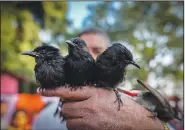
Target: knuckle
(65, 109)
(92, 107)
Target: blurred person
(4, 108)
(19, 121)
(34, 116)
(174, 123)
(96, 39)
(46, 121)
(93, 103)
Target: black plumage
(156, 103)
(110, 67)
(79, 64)
(49, 68)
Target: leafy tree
(152, 30)
(21, 23)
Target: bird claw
(60, 114)
(56, 112)
(73, 88)
(154, 115)
(63, 119)
(66, 85)
(59, 110)
(118, 99)
(80, 87)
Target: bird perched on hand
(156, 103)
(110, 67)
(79, 64)
(49, 68)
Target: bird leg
(59, 110)
(58, 107)
(154, 114)
(118, 98)
(61, 114)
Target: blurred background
(153, 31)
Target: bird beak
(30, 53)
(70, 43)
(134, 63)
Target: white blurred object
(45, 36)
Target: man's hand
(93, 108)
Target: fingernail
(38, 90)
(59, 108)
(43, 90)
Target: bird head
(44, 52)
(125, 56)
(77, 45)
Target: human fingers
(79, 94)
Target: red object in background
(129, 93)
(132, 94)
(174, 98)
(31, 103)
(9, 84)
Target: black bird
(156, 103)
(110, 68)
(79, 64)
(49, 68)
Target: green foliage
(153, 29)
(55, 19)
(20, 31)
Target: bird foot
(118, 99)
(59, 110)
(56, 112)
(154, 115)
(63, 119)
(73, 88)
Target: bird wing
(161, 98)
(108, 58)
